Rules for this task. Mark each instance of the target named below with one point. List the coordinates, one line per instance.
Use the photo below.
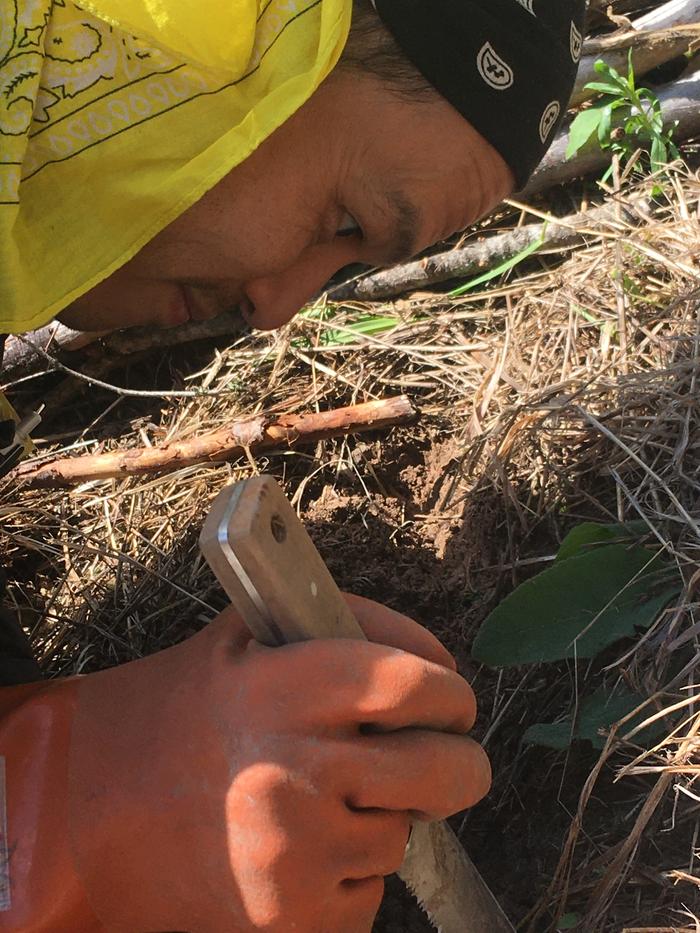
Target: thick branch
(475, 258)
(20, 360)
(254, 434)
(649, 50)
(673, 13)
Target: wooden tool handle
(270, 568)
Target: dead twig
(554, 235)
(252, 434)
(22, 358)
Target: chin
(79, 319)
(83, 318)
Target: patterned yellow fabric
(8, 413)
(117, 115)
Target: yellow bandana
(117, 115)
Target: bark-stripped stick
(254, 434)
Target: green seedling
(627, 120)
(352, 329)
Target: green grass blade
(499, 270)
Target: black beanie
(508, 66)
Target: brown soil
(382, 541)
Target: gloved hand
(223, 786)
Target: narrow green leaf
(603, 68)
(365, 325)
(607, 174)
(500, 270)
(659, 154)
(577, 607)
(604, 87)
(604, 125)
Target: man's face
(358, 175)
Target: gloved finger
(432, 776)
(372, 844)
(346, 684)
(388, 627)
(227, 626)
(356, 907)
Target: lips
(247, 308)
(195, 304)
(201, 306)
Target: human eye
(348, 226)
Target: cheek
(272, 207)
(122, 301)
(233, 237)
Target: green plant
(626, 119)
(501, 269)
(353, 327)
(596, 715)
(568, 922)
(603, 586)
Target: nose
(277, 298)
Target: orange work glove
(223, 786)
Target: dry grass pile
(567, 391)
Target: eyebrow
(403, 244)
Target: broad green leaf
(584, 536)
(582, 128)
(556, 735)
(598, 713)
(577, 607)
(605, 123)
(569, 921)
